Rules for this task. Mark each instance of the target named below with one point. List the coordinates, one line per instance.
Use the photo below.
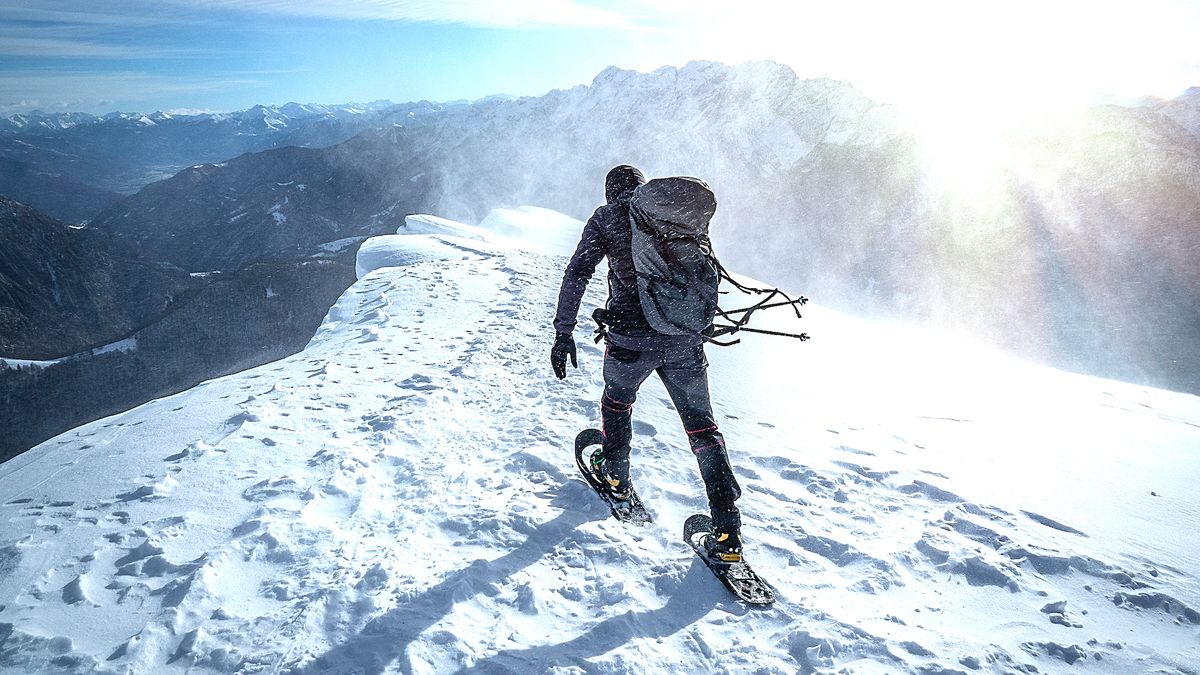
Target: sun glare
(967, 147)
(967, 77)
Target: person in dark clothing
(634, 351)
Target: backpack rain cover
(677, 280)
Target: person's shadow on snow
(687, 605)
(386, 638)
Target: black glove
(564, 344)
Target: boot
(618, 489)
(724, 547)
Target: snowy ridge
(400, 497)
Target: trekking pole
(798, 301)
(801, 337)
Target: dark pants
(684, 372)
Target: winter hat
(621, 181)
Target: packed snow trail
(401, 497)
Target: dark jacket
(607, 233)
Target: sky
(222, 55)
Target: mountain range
(119, 153)
(1080, 250)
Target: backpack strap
(600, 316)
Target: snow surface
(128, 344)
(400, 497)
(537, 229)
(339, 245)
(14, 364)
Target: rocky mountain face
(280, 203)
(733, 126)
(234, 321)
(1184, 110)
(58, 196)
(1111, 209)
(122, 152)
(64, 289)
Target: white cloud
(98, 91)
(11, 45)
(511, 14)
(63, 12)
(929, 48)
(54, 30)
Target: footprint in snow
(378, 423)
(865, 472)
(142, 492)
(417, 382)
(644, 428)
(266, 489)
(120, 517)
(932, 492)
(234, 423)
(1052, 524)
(589, 349)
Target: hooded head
(621, 182)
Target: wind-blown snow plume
(1071, 240)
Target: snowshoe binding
(722, 547)
(621, 498)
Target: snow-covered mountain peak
(270, 116)
(400, 497)
(612, 75)
(696, 74)
(40, 122)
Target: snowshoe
(724, 558)
(623, 501)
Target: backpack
(678, 274)
(677, 279)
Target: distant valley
(73, 165)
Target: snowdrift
(400, 497)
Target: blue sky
(232, 54)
